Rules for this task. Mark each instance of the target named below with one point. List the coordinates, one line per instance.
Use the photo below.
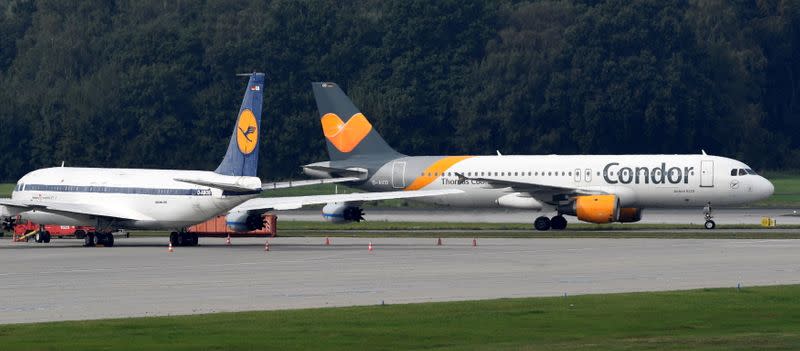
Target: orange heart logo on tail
(345, 136)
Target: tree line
(151, 83)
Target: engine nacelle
(593, 208)
(342, 213)
(244, 221)
(630, 214)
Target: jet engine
(593, 208)
(630, 214)
(244, 221)
(342, 213)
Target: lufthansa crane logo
(247, 132)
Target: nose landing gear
(707, 213)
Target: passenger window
(515, 174)
(742, 172)
(429, 174)
(733, 172)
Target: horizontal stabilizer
(220, 185)
(343, 172)
(299, 183)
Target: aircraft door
(577, 175)
(588, 177)
(707, 173)
(399, 175)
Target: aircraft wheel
(39, 237)
(558, 222)
(193, 239)
(710, 224)
(46, 238)
(88, 240)
(542, 223)
(109, 240)
(173, 238)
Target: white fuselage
(152, 195)
(687, 180)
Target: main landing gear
(183, 239)
(93, 239)
(543, 223)
(707, 213)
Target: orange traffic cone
(327, 241)
(228, 240)
(169, 249)
(369, 248)
(266, 246)
(474, 242)
(439, 242)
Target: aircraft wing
(74, 208)
(295, 202)
(224, 186)
(297, 183)
(542, 192)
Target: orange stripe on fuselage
(438, 167)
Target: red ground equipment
(216, 227)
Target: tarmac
(461, 215)
(138, 277)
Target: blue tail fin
(241, 159)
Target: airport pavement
(138, 277)
(653, 216)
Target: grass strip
(763, 318)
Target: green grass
(759, 318)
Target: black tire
(541, 223)
(710, 224)
(193, 239)
(80, 234)
(88, 240)
(39, 237)
(109, 242)
(46, 238)
(558, 223)
(173, 238)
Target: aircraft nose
(767, 189)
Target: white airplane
(595, 188)
(112, 198)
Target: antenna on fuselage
(498, 153)
(62, 163)
(703, 152)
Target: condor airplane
(594, 188)
(114, 198)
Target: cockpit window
(733, 172)
(750, 171)
(742, 172)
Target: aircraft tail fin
(241, 159)
(348, 132)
